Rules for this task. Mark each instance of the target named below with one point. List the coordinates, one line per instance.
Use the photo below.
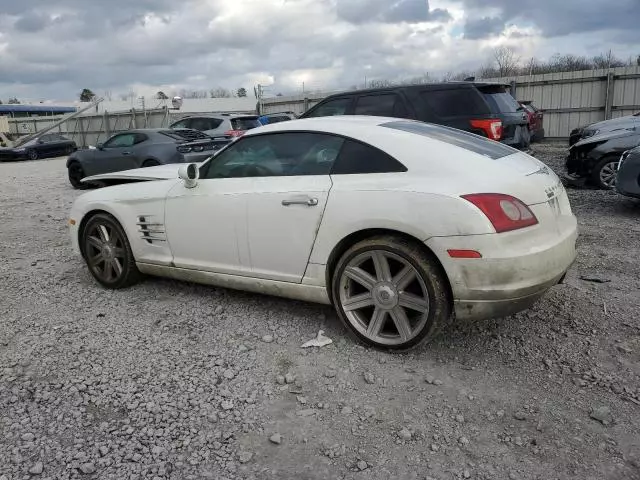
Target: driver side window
(276, 154)
(123, 140)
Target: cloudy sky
(51, 49)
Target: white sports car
(399, 224)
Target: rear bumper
(515, 270)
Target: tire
(107, 253)
(76, 174)
(33, 154)
(381, 295)
(150, 163)
(603, 174)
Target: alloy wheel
(608, 173)
(105, 251)
(384, 297)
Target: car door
(257, 207)
(45, 146)
(115, 155)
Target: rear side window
(499, 99)
(456, 102)
(384, 105)
(181, 124)
(140, 137)
(330, 108)
(204, 124)
(245, 123)
(453, 136)
(356, 157)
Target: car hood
(161, 172)
(614, 123)
(608, 135)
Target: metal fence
(569, 99)
(88, 130)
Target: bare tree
(506, 60)
(220, 92)
(380, 84)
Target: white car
(399, 224)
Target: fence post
(133, 118)
(83, 135)
(305, 105)
(608, 99)
(35, 125)
(107, 127)
(513, 88)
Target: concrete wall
(569, 99)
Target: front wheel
(106, 250)
(390, 293)
(76, 174)
(605, 171)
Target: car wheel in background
(390, 294)
(76, 174)
(33, 154)
(150, 163)
(604, 172)
(106, 250)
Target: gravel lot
(170, 380)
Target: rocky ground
(169, 380)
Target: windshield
(24, 142)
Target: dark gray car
(142, 148)
(598, 128)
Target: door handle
(126, 153)
(309, 202)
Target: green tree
(86, 95)
(13, 101)
(242, 92)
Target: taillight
(492, 128)
(234, 133)
(505, 212)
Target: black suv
(487, 109)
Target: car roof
(427, 86)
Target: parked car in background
(317, 209)
(142, 148)
(536, 120)
(270, 118)
(628, 176)
(223, 125)
(43, 146)
(597, 128)
(486, 109)
(596, 159)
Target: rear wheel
(106, 250)
(33, 154)
(390, 294)
(76, 174)
(604, 172)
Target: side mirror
(99, 146)
(189, 174)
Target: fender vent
(151, 230)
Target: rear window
(452, 136)
(245, 123)
(500, 99)
(457, 102)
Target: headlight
(198, 148)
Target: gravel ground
(170, 380)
